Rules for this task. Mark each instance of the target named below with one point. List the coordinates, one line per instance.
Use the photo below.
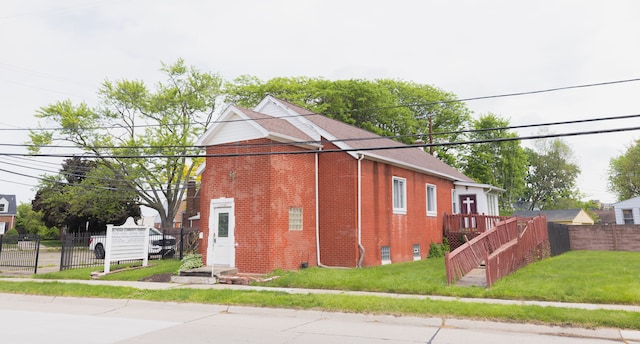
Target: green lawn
(580, 276)
(577, 276)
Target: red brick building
(285, 188)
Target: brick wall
(263, 189)
(337, 192)
(381, 227)
(605, 237)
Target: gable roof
(561, 215)
(286, 122)
(252, 125)
(11, 204)
(356, 140)
(631, 203)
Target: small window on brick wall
(416, 252)
(386, 254)
(295, 219)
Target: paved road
(47, 319)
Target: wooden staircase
(508, 246)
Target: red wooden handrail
(482, 248)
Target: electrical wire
(400, 146)
(504, 95)
(373, 137)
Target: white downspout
(360, 247)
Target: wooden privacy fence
(482, 248)
(532, 240)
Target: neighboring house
(628, 211)
(285, 188)
(605, 217)
(563, 216)
(8, 212)
(191, 215)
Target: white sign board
(126, 242)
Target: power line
(504, 95)
(400, 146)
(373, 137)
(496, 140)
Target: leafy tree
(139, 137)
(624, 177)
(85, 193)
(385, 107)
(502, 164)
(28, 220)
(552, 174)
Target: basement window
(295, 219)
(416, 252)
(385, 252)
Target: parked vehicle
(159, 244)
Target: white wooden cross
(468, 202)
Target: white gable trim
(486, 187)
(242, 126)
(4, 202)
(302, 123)
(631, 202)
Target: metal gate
(558, 238)
(19, 252)
(76, 254)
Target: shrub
(12, 232)
(439, 250)
(191, 261)
(52, 233)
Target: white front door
(221, 249)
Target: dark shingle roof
(405, 155)
(275, 125)
(11, 199)
(552, 215)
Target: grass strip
(344, 303)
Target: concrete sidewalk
(69, 320)
(624, 336)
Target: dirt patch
(158, 278)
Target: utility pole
(430, 133)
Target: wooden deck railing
(470, 222)
(518, 252)
(470, 255)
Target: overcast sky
(56, 50)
